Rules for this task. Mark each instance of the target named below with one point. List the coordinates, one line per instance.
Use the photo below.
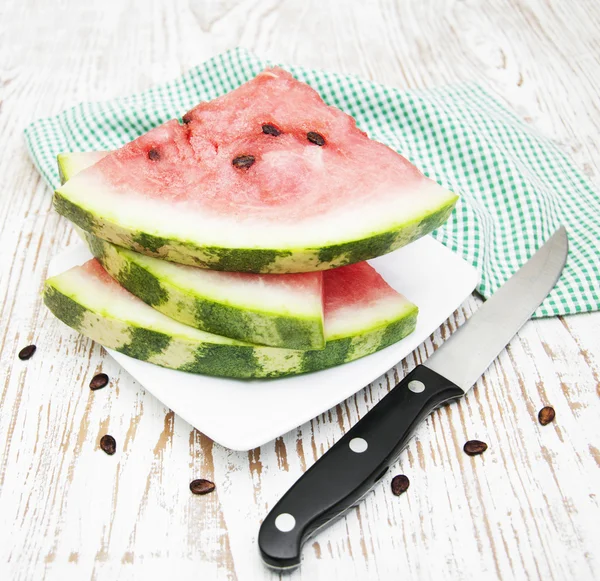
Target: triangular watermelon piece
(267, 178)
(363, 314)
(73, 162)
(280, 310)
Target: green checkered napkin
(516, 187)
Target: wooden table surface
(526, 509)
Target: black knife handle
(348, 470)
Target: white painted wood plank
(528, 508)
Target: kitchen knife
(348, 470)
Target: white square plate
(242, 414)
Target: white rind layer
(387, 210)
(353, 320)
(253, 292)
(115, 302)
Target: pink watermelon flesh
(357, 298)
(357, 285)
(194, 163)
(95, 270)
(186, 183)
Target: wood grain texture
(526, 509)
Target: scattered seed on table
(546, 415)
(27, 352)
(108, 444)
(475, 447)
(201, 486)
(99, 381)
(400, 484)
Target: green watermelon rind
(257, 260)
(188, 306)
(225, 357)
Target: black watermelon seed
(27, 352)
(315, 138)
(186, 118)
(153, 155)
(108, 444)
(270, 130)
(400, 484)
(201, 486)
(99, 381)
(243, 161)
(475, 447)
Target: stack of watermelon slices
(234, 243)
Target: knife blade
(352, 466)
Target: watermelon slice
(267, 178)
(362, 315)
(283, 310)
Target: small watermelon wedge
(362, 315)
(267, 178)
(73, 162)
(284, 310)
